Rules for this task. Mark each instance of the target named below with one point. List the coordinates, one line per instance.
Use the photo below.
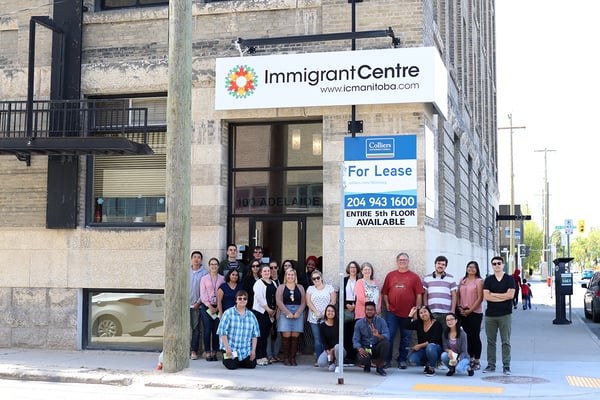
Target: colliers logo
(380, 148)
(241, 81)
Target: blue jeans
(195, 327)
(394, 323)
(430, 355)
(462, 366)
(209, 327)
(317, 338)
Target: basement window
(114, 4)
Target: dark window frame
(86, 315)
(89, 178)
(101, 5)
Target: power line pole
(511, 246)
(547, 255)
(176, 341)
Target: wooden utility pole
(176, 342)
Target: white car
(115, 314)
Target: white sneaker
(337, 370)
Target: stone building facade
(48, 277)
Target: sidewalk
(547, 361)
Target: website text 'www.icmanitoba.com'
(372, 87)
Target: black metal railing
(73, 118)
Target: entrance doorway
(287, 238)
(276, 187)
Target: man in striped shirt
(440, 291)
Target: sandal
(476, 366)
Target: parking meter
(563, 286)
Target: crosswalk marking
(422, 387)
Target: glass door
(282, 238)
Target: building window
(113, 4)
(130, 190)
(124, 319)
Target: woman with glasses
(226, 292)
(350, 286)
(250, 279)
(454, 341)
(238, 333)
(428, 349)
(291, 302)
(470, 309)
(367, 289)
(209, 311)
(265, 308)
(318, 296)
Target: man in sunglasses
(498, 291)
(238, 332)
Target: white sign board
(380, 181)
(383, 76)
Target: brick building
(85, 220)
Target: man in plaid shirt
(238, 331)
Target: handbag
(348, 316)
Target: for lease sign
(408, 75)
(380, 181)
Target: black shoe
(402, 365)
(430, 372)
(367, 368)
(471, 372)
(489, 369)
(381, 371)
(506, 370)
(451, 371)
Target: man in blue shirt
(197, 271)
(238, 332)
(371, 340)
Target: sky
(547, 78)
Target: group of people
(253, 315)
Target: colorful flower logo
(241, 81)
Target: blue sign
(380, 181)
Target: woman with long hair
(226, 292)
(428, 349)
(454, 341)
(209, 310)
(291, 302)
(265, 309)
(330, 337)
(249, 279)
(318, 296)
(470, 309)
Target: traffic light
(581, 226)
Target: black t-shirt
(499, 308)
(329, 335)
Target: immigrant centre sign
(383, 76)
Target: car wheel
(587, 314)
(107, 326)
(595, 314)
